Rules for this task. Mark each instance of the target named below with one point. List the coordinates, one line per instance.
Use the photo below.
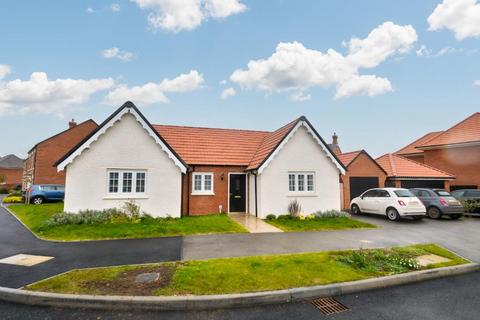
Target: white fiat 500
(392, 202)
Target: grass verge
(248, 274)
(318, 224)
(34, 217)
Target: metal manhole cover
(328, 305)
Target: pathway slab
(253, 224)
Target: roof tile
(412, 147)
(401, 167)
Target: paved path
(461, 236)
(253, 224)
(442, 299)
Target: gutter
(256, 195)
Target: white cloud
(448, 50)
(460, 16)
(423, 51)
(4, 70)
(41, 95)
(155, 92)
(117, 53)
(476, 83)
(175, 15)
(292, 67)
(115, 7)
(300, 96)
(228, 93)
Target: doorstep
(252, 223)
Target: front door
(238, 192)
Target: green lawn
(338, 223)
(35, 215)
(247, 274)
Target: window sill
(202, 193)
(125, 197)
(302, 195)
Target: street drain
(329, 305)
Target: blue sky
(413, 90)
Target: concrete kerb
(227, 300)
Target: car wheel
(455, 216)
(355, 209)
(434, 213)
(37, 200)
(392, 214)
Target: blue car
(40, 193)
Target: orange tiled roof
(347, 157)
(465, 131)
(412, 147)
(212, 146)
(400, 167)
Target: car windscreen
(472, 193)
(443, 193)
(403, 193)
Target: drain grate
(329, 305)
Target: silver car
(439, 203)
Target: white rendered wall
(300, 153)
(126, 145)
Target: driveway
(461, 236)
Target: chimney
(335, 139)
(72, 124)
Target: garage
(407, 173)
(358, 185)
(363, 173)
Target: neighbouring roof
(412, 147)
(397, 166)
(347, 157)
(66, 130)
(11, 161)
(466, 131)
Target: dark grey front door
(238, 193)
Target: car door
(367, 201)
(49, 191)
(382, 201)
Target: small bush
(15, 193)
(3, 190)
(294, 208)
(271, 217)
(386, 260)
(13, 199)
(331, 214)
(471, 206)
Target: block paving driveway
(461, 236)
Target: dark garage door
(358, 185)
(422, 184)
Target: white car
(392, 202)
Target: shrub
(331, 214)
(471, 206)
(13, 199)
(15, 193)
(294, 208)
(130, 212)
(386, 260)
(271, 217)
(3, 190)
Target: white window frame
(133, 191)
(202, 190)
(305, 190)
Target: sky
(378, 73)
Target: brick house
(178, 170)
(406, 173)
(455, 150)
(39, 165)
(11, 168)
(363, 173)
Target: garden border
(227, 300)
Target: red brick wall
(462, 162)
(207, 204)
(13, 176)
(51, 150)
(362, 166)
